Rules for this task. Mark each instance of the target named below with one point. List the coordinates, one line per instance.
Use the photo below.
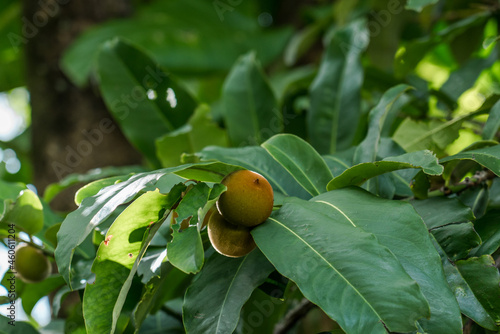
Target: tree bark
(72, 131)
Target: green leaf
(477, 199)
(32, 293)
(16, 327)
(434, 135)
(145, 101)
(488, 157)
(390, 103)
(199, 132)
(185, 251)
(412, 53)
(316, 236)
(358, 174)
(214, 300)
(483, 278)
(457, 239)
(418, 5)
(26, 213)
(493, 123)
(250, 109)
(96, 209)
(336, 91)
(387, 220)
(117, 259)
(257, 159)
(301, 160)
(469, 304)
(441, 211)
(489, 230)
(94, 187)
(10, 190)
(94, 174)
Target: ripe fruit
(31, 264)
(228, 239)
(248, 200)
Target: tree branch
(293, 316)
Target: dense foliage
(377, 126)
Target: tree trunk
(72, 131)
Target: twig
(469, 182)
(292, 317)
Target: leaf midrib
(227, 294)
(298, 168)
(330, 265)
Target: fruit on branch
(31, 264)
(248, 200)
(229, 239)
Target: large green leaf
(399, 228)
(389, 104)
(457, 239)
(358, 174)
(489, 230)
(185, 251)
(257, 159)
(118, 256)
(493, 123)
(26, 213)
(199, 132)
(488, 157)
(301, 160)
(441, 211)
(214, 301)
(336, 91)
(250, 109)
(477, 199)
(469, 304)
(185, 36)
(96, 209)
(434, 135)
(328, 255)
(483, 277)
(144, 100)
(94, 174)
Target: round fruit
(31, 264)
(228, 239)
(248, 200)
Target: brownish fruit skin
(248, 200)
(229, 239)
(31, 264)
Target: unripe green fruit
(31, 264)
(228, 239)
(248, 200)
